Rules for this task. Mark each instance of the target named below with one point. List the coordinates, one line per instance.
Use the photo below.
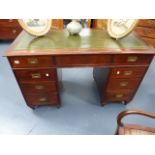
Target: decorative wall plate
(118, 28)
(36, 27)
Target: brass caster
(124, 102)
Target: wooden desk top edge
(10, 52)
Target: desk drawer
(80, 60)
(147, 23)
(38, 87)
(119, 96)
(42, 99)
(132, 59)
(123, 84)
(128, 72)
(36, 75)
(9, 23)
(9, 32)
(31, 61)
(146, 32)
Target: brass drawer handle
(36, 75)
(42, 99)
(123, 84)
(119, 95)
(39, 87)
(33, 61)
(127, 73)
(132, 59)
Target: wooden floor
(80, 113)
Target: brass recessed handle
(129, 72)
(33, 61)
(42, 99)
(123, 84)
(39, 87)
(132, 59)
(36, 75)
(119, 95)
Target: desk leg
(101, 76)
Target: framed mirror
(36, 27)
(119, 28)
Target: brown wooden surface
(146, 29)
(38, 87)
(109, 83)
(42, 99)
(100, 23)
(127, 129)
(86, 48)
(147, 23)
(83, 60)
(145, 32)
(122, 65)
(10, 28)
(9, 23)
(128, 72)
(123, 84)
(57, 24)
(118, 96)
(133, 59)
(149, 40)
(31, 61)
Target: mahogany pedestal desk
(119, 65)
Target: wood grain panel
(123, 84)
(133, 59)
(83, 60)
(128, 72)
(35, 75)
(145, 32)
(42, 99)
(147, 23)
(38, 87)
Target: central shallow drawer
(83, 60)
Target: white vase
(74, 27)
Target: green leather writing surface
(87, 39)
